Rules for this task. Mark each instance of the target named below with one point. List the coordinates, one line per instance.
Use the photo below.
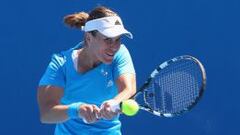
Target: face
(103, 48)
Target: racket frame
(161, 67)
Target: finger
(86, 113)
(85, 117)
(82, 111)
(106, 110)
(103, 113)
(96, 112)
(107, 113)
(91, 114)
(112, 113)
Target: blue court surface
(30, 31)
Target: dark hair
(78, 20)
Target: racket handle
(85, 121)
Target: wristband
(73, 110)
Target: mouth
(110, 54)
(108, 57)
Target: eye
(108, 40)
(111, 41)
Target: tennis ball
(129, 107)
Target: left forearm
(124, 95)
(126, 87)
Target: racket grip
(85, 121)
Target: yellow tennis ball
(129, 107)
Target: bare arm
(51, 111)
(126, 88)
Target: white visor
(108, 26)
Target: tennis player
(80, 84)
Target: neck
(86, 60)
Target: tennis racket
(173, 88)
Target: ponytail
(76, 20)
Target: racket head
(174, 87)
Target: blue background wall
(30, 31)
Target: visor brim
(116, 31)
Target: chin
(107, 61)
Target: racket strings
(175, 88)
(149, 97)
(181, 89)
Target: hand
(90, 113)
(106, 110)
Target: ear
(88, 36)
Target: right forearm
(55, 114)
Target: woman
(81, 84)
